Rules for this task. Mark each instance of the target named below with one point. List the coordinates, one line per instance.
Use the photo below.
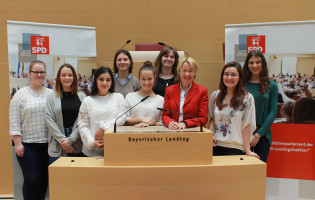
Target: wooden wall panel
(192, 26)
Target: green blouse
(266, 107)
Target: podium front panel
(229, 177)
(157, 147)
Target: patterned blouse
(229, 123)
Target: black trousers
(224, 151)
(262, 148)
(34, 165)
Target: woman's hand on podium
(148, 121)
(181, 125)
(250, 153)
(173, 125)
(142, 124)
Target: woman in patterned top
(30, 134)
(232, 112)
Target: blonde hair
(194, 65)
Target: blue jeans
(34, 166)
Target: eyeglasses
(38, 73)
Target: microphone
(127, 42)
(163, 109)
(142, 100)
(163, 44)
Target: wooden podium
(227, 177)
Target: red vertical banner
(40, 44)
(256, 42)
(292, 152)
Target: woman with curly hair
(265, 92)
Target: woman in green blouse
(265, 92)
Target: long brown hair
(74, 86)
(158, 62)
(264, 77)
(239, 91)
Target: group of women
(66, 123)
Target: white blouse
(229, 123)
(27, 115)
(99, 111)
(148, 108)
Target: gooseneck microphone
(165, 110)
(127, 42)
(142, 100)
(163, 44)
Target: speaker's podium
(157, 163)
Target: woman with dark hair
(145, 114)
(186, 97)
(29, 132)
(232, 112)
(99, 111)
(124, 81)
(304, 111)
(265, 92)
(166, 69)
(62, 109)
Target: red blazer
(196, 104)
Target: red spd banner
(256, 42)
(39, 44)
(292, 152)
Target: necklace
(166, 81)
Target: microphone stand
(127, 42)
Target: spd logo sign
(256, 43)
(39, 44)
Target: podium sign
(157, 146)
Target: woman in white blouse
(30, 134)
(232, 112)
(145, 114)
(99, 111)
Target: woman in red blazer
(186, 97)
